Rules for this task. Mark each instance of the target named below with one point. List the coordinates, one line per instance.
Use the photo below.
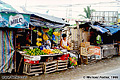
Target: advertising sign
(14, 20)
(96, 50)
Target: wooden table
(22, 54)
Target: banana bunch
(39, 39)
(45, 37)
(38, 44)
(56, 33)
(39, 33)
(67, 47)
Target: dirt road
(80, 71)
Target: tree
(88, 12)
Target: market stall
(100, 40)
(9, 23)
(43, 46)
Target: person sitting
(64, 43)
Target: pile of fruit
(56, 33)
(67, 47)
(45, 37)
(48, 51)
(39, 33)
(57, 51)
(34, 52)
(38, 41)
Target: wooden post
(15, 54)
(78, 35)
(44, 67)
(79, 40)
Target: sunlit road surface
(109, 75)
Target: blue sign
(14, 20)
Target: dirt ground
(80, 71)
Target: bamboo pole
(15, 54)
(79, 34)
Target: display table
(47, 67)
(85, 60)
(85, 54)
(108, 50)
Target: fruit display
(48, 51)
(39, 33)
(39, 39)
(67, 47)
(38, 44)
(57, 51)
(56, 33)
(34, 52)
(45, 37)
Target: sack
(73, 61)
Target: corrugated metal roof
(6, 7)
(49, 18)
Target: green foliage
(50, 32)
(88, 12)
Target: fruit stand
(42, 53)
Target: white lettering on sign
(17, 19)
(1, 19)
(97, 50)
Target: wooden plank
(51, 66)
(36, 66)
(62, 69)
(62, 63)
(62, 60)
(47, 63)
(35, 69)
(51, 71)
(33, 73)
(41, 63)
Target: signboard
(96, 50)
(14, 20)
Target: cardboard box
(85, 44)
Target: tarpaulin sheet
(98, 28)
(6, 51)
(113, 30)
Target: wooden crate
(84, 51)
(87, 60)
(50, 67)
(85, 44)
(62, 65)
(32, 69)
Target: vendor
(98, 39)
(64, 42)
